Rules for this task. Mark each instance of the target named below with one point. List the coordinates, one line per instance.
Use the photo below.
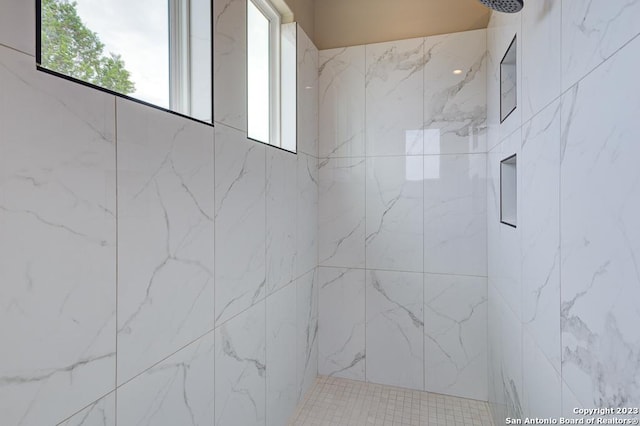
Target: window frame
(275, 106)
(39, 67)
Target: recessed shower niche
(509, 81)
(508, 191)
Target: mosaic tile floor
(341, 402)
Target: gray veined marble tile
(307, 94)
(281, 355)
(341, 216)
(394, 207)
(455, 106)
(395, 328)
(341, 324)
(307, 214)
(240, 223)
(57, 244)
(165, 235)
(240, 379)
(282, 227)
(540, 230)
(100, 413)
(455, 314)
(307, 336)
(394, 75)
(342, 102)
(592, 31)
(600, 239)
(177, 391)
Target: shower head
(506, 6)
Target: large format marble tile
(281, 356)
(281, 194)
(307, 94)
(240, 379)
(394, 329)
(341, 214)
(394, 87)
(592, 31)
(230, 62)
(341, 323)
(307, 335)
(18, 25)
(165, 235)
(600, 237)
(541, 55)
(455, 218)
(177, 391)
(505, 358)
(455, 106)
(307, 214)
(100, 413)
(57, 244)
(540, 230)
(240, 222)
(541, 383)
(394, 213)
(342, 102)
(455, 332)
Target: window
(271, 76)
(154, 51)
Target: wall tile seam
(31, 55)
(402, 271)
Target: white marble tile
(18, 25)
(165, 235)
(307, 336)
(57, 244)
(505, 358)
(394, 213)
(230, 63)
(281, 195)
(455, 106)
(500, 32)
(100, 413)
(342, 102)
(540, 230)
(455, 218)
(281, 356)
(177, 391)
(240, 273)
(341, 216)
(541, 55)
(341, 323)
(503, 241)
(455, 318)
(307, 95)
(307, 216)
(240, 379)
(541, 383)
(593, 31)
(394, 89)
(600, 237)
(395, 329)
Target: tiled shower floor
(341, 402)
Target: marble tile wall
(154, 270)
(402, 213)
(562, 285)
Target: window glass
(133, 48)
(258, 74)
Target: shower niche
(508, 191)
(509, 81)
